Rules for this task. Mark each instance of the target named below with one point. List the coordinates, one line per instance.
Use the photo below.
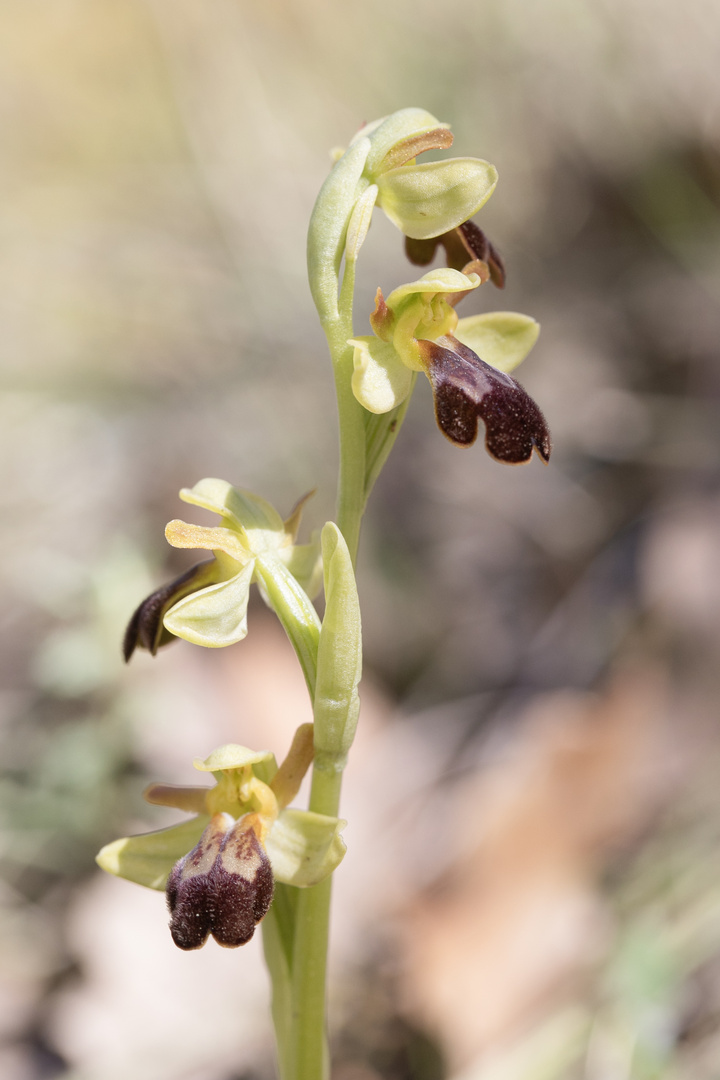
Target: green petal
(380, 381)
(431, 199)
(304, 561)
(241, 509)
(442, 280)
(149, 858)
(500, 338)
(232, 756)
(215, 616)
(304, 847)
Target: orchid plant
(245, 856)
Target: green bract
(337, 704)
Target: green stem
(310, 1056)
(309, 1050)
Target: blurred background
(532, 888)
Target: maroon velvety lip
(466, 390)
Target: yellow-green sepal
(214, 616)
(149, 858)
(380, 380)
(304, 847)
(249, 514)
(433, 198)
(500, 338)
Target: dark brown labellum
(223, 887)
(145, 629)
(466, 389)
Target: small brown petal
(408, 149)
(145, 629)
(466, 389)
(381, 318)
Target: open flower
(218, 868)
(417, 329)
(208, 603)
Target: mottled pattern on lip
(466, 389)
(222, 887)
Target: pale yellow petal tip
(231, 756)
(108, 858)
(209, 493)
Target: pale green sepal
(241, 508)
(304, 561)
(337, 704)
(232, 756)
(380, 379)
(215, 616)
(390, 130)
(360, 222)
(328, 225)
(441, 280)
(430, 199)
(149, 858)
(304, 847)
(500, 338)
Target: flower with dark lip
(218, 869)
(466, 361)
(208, 603)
